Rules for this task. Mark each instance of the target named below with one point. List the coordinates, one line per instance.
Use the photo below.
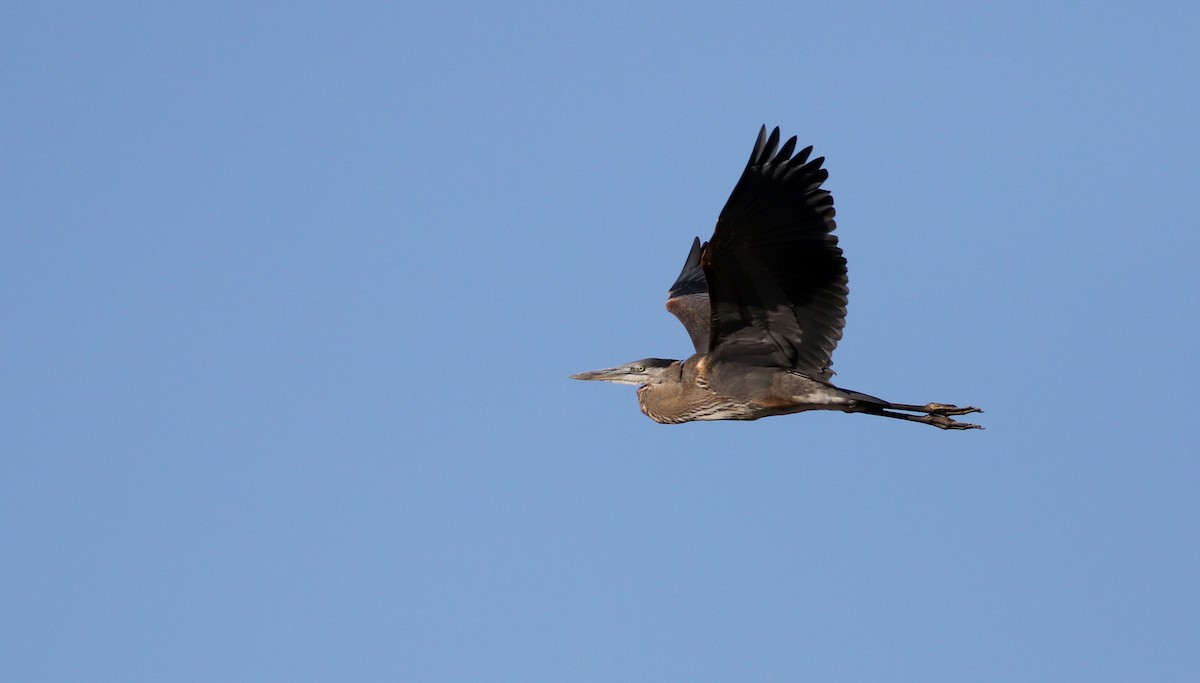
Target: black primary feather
(775, 275)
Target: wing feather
(688, 299)
(775, 276)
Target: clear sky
(291, 292)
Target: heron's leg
(935, 408)
(939, 420)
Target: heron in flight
(764, 302)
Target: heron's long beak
(619, 375)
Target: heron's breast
(674, 404)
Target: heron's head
(644, 371)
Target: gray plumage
(764, 302)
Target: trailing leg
(936, 414)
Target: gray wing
(688, 299)
(775, 274)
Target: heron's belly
(726, 411)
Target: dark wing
(688, 299)
(776, 276)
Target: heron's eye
(639, 368)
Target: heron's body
(764, 302)
(693, 393)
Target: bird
(764, 302)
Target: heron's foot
(941, 421)
(947, 409)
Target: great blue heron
(764, 302)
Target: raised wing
(775, 274)
(688, 299)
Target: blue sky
(292, 292)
